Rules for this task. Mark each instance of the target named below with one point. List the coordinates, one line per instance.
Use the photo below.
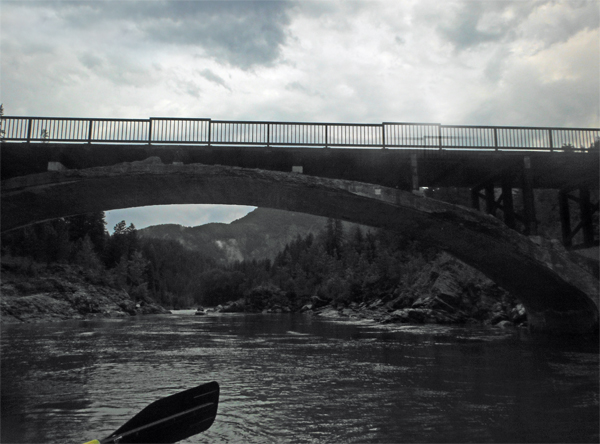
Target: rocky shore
(38, 293)
(446, 291)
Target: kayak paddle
(170, 419)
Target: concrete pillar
(565, 217)
(415, 172)
(490, 199)
(507, 201)
(475, 199)
(585, 208)
(531, 226)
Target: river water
(296, 378)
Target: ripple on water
(299, 379)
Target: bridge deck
(389, 167)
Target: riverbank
(33, 292)
(445, 291)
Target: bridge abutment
(575, 322)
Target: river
(301, 379)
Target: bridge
(492, 161)
(355, 179)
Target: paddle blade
(173, 418)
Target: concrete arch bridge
(559, 295)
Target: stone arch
(558, 294)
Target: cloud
(469, 24)
(557, 86)
(239, 33)
(212, 77)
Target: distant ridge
(261, 234)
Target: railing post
(440, 136)
(326, 135)
(383, 135)
(209, 130)
(29, 128)
(150, 132)
(496, 138)
(268, 135)
(90, 129)
(550, 139)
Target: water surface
(294, 378)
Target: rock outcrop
(446, 291)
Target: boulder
(234, 307)
(518, 315)
(505, 324)
(317, 302)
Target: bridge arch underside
(559, 295)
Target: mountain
(261, 234)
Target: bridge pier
(529, 216)
(504, 202)
(586, 211)
(414, 172)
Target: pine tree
(87, 257)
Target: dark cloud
(212, 77)
(465, 27)
(90, 61)
(473, 23)
(241, 33)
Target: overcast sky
(478, 62)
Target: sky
(471, 62)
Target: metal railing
(302, 134)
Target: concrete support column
(508, 206)
(565, 217)
(414, 172)
(531, 226)
(490, 199)
(585, 207)
(585, 224)
(475, 199)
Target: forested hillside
(167, 272)
(336, 265)
(261, 234)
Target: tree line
(332, 264)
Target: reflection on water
(293, 378)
